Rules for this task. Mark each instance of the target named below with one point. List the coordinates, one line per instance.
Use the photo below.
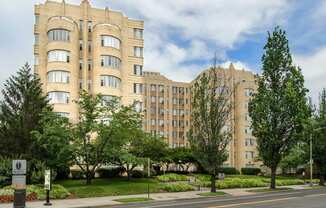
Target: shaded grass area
(218, 193)
(268, 190)
(110, 187)
(130, 200)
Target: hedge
(250, 171)
(229, 171)
(177, 187)
(172, 177)
(110, 172)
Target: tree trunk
(128, 172)
(273, 178)
(213, 185)
(322, 180)
(88, 178)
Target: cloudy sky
(181, 36)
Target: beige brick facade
(99, 50)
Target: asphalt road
(315, 198)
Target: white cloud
(314, 70)
(237, 65)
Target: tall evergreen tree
(319, 138)
(211, 107)
(279, 108)
(20, 112)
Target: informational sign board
(19, 181)
(19, 167)
(47, 180)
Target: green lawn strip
(130, 200)
(218, 193)
(110, 187)
(268, 190)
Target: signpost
(47, 186)
(19, 182)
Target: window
(247, 117)
(181, 123)
(58, 76)
(153, 110)
(250, 142)
(174, 123)
(138, 88)
(181, 101)
(181, 112)
(37, 18)
(80, 45)
(249, 155)
(36, 41)
(90, 64)
(161, 88)
(63, 114)
(110, 41)
(248, 130)
(174, 90)
(138, 106)
(161, 122)
(161, 100)
(153, 87)
(58, 55)
(36, 60)
(110, 61)
(174, 134)
(153, 122)
(110, 81)
(89, 46)
(58, 35)
(58, 97)
(81, 22)
(107, 100)
(161, 111)
(138, 51)
(89, 25)
(175, 101)
(153, 99)
(138, 33)
(174, 112)
(138, 70)
(248, 91)
(80, 64)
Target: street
(315, 198)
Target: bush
(177, 187)
(110, 172)
(239, 183)
(285, 182)
(4, 181)
(229, 171)
(77, 174)
(250, 171)
(172, 177)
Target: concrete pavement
(109, 201)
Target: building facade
(78, 47)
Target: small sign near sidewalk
(47, 180)
(19, 167)
(19, 182)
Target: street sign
(19, 181)
(47, 180)
(19, 167)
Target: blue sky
(181, 36)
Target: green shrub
(202, 177)
(239, 183)
(138, 174)
(110, 172)
(285, 182)
(172, 177)
(250, 171)
(229, 171)
(177, 187)
(57, 191)
(77, 174)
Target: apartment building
(78, 47)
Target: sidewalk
(109, 200)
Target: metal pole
(311, 159)
(148, 174)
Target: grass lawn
(268, 190)
(110, 187)
(218, 193)
(130, 200)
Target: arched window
(58, 76)
(59, 55)
(110, 41)
(59, 35)
(110, 81)
(110, 61)
(58, 97)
